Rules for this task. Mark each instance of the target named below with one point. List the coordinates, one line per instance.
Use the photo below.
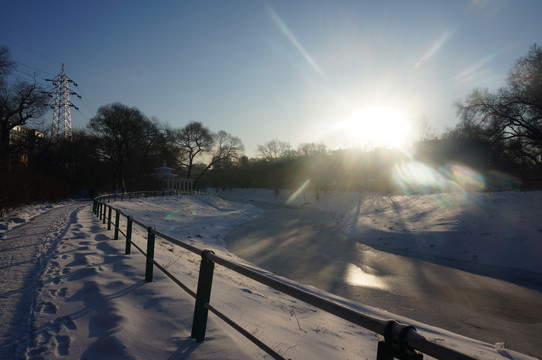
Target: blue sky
(345, 73)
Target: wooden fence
(401, 341)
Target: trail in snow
(24, 252)
(95, 304)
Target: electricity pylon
(62, 117)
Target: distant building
(23, 140)
(170, 181)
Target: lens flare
(298, 191)
(414, 177)
(501, 180)
(467, 178)
(437, 45)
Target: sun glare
(375, 127)
(416, 177)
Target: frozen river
(491, 304)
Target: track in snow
(24, 252)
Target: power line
(87, 104)
(53, 88)
(33, 68)
(31, 50)
(33, 76)
(83, 115)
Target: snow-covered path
(24, 253)
(92, 302)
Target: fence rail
(400, 341)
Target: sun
(372, 127)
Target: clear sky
(339, 72)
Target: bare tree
(311, 149)
(425, 129)
(226, 149)
(274, 149)
(193, 140)
(513, 114)
(19, 103)
(6, 64)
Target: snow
(90, 300)
(496, 228)
(26, 213)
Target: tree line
(121, 146)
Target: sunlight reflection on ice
(357, 277)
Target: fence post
(389, 350)
(150, 254)
(129, 236)
(109, 219)
(117, 220)
(105, 209)
(203, 295)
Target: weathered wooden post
(150, 254)
(117, 220)
(203, 296)
(128, 236)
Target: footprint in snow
(62, 345)
(49, 308)
(67, 322)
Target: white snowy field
(91, 302)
